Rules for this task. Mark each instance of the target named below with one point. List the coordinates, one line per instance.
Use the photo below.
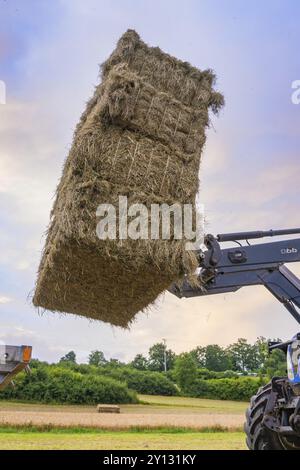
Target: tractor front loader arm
(229, 269)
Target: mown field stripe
(48, 428)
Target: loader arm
(229, 269)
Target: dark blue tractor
(273, 417)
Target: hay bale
(108, 409)
(129, 142)
(130, 102)
(164, 72)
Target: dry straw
(141, 136)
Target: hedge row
(91, 385)
(149, 383)
(209, 374)
(242, 388)
(60, 385)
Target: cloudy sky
(49, 56)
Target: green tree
(69, 357)
(185, 372)
(199, 356)
(216, 358)
(262, 351)
(139, 362)
(244, 356)
(275, 364)
(115, 363)
(157, 357)
(96, 358)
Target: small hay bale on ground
(141, 136)
(108, 409)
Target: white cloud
(4, 299)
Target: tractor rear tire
(258, 437)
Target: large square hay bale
(141, 136)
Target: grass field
(108, 440)
(158, 423)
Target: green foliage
(140, 362)
(210, 374)
(96, 358)
(185, 372)
(244, 356)
(115, 363)
(262, 353)
(216, 358)
(151, 383)
(241, 388)
(199, 356)
(55, 384)
(157, 357)
(275, 364)
(240, 356)
(69, 357)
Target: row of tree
(209, 372)
(241, 357)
